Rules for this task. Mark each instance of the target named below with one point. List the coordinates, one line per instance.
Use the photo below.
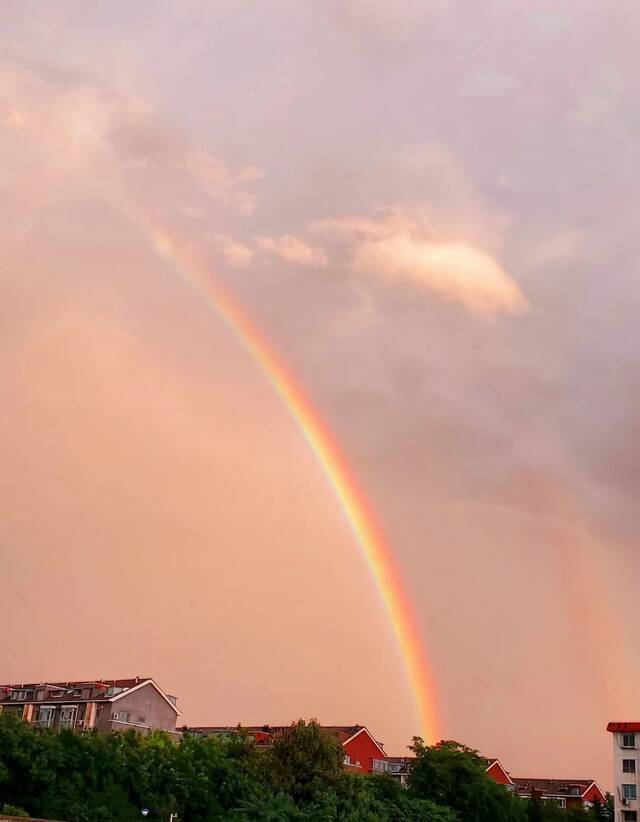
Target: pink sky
(430, 211)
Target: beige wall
(145, 707)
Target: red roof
(623, 727)
(553, 787)
(97, 683)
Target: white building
(626, 753)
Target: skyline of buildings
(140, 704)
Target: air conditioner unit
(625, 801)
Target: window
(629, 816)
(628, 766)
(112, 690)
(121, 716)
(629, 792)
(68, 716)
(40, 696)
(45, 715)
(346, 760)
(561, 802)
(574, 790)
(628, 740)
(57, 693)
(17, 695)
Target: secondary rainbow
(354, 504)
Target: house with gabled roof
(360, 747)
(496, 772)
(105, 705)
(400, 767)
(572, 794)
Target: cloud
(387, 27)
(292, 250)
(114, 139)
(235, 253)
(215, 177)
(482, 82)
(398, 248)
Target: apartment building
(626, 792)
(103, 705)
(571, 794)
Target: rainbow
(358, 512)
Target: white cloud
(117, 140)
(399, 248)
(235, 253)
(220, 183)
(292, 250)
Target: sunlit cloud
(292, 250)
(220, 183)
(14, 119)
(398, 248)
(236, 254)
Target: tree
(453, 775)
(13, 810)
(535, 809)
(305, 753)
(603, 812)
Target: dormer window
(113, 690)
(21, 694)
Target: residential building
(626, 793)
(572, 794)
(566, 793)
(103, 705)
(400, 767)
(360, 748)
(496, 772)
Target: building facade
(105, 705)
(571, 794)
(497, 773)
(626, 792)
(400, 767)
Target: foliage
(97, 778)
(453, 775)
(13, 810)
(603, 813)
(303, 758)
